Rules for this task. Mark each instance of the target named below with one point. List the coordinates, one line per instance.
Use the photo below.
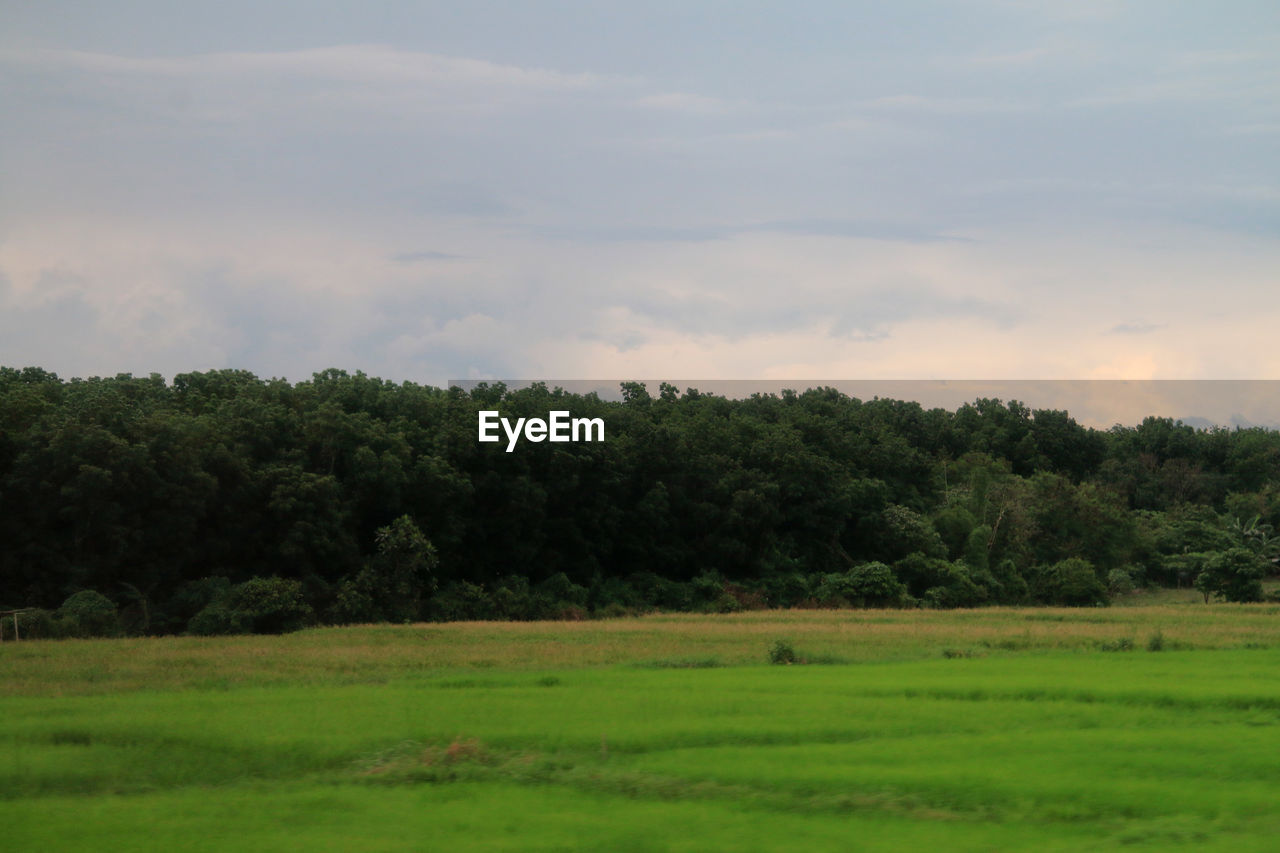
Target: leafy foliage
(782, 652)
(375, 499)
(1233, 575)
(1072, 582)
(88, 614)
(865, 585)
(259, 605)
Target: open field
(972, 730)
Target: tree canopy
(374, 500)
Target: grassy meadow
(1153, 725)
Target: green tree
(88, 614)
(864, 585)
(1072, 582)
(257, 606)
(1232, 575)
(1256, 536)
(962, 585)
(401, 575)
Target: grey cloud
(872, 316)
(59, 333)
(1233, 421)
(556, 153)
(887, 231)
(1135, 328)
(456, 198)
(866, 313)
(630, 233)
(428, 255)
(364, 64)
(897, 232)
(1259, 217)
(230, 124)
(65, 331)
(947, 106)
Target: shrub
(786, 589)
(89, 614)
(1008, 584)
(865, 585)
(961, 586)
(781, 652)
(1119, 582)
(921, 573)
(655, 591)
(557, 597)
(746, 599)
(611, 594)
(711, 592)
(214, 620)
(835, 589)
(191, 598)
(614, 610)
(877, 585)
(354, 602)
(461, 601)
(259, 606)
(271, 605)
(1071, 582)
(1155, 643)
(513, 599)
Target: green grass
(372, 655)
(662, 733)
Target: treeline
(223, 502)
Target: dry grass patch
(379, 653)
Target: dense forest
(222, 502)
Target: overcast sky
(425, 191)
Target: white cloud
(368, 64)
(755, 305)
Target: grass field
(1136, 727)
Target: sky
(1096, 403)
(960, 189)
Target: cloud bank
(981, 190)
